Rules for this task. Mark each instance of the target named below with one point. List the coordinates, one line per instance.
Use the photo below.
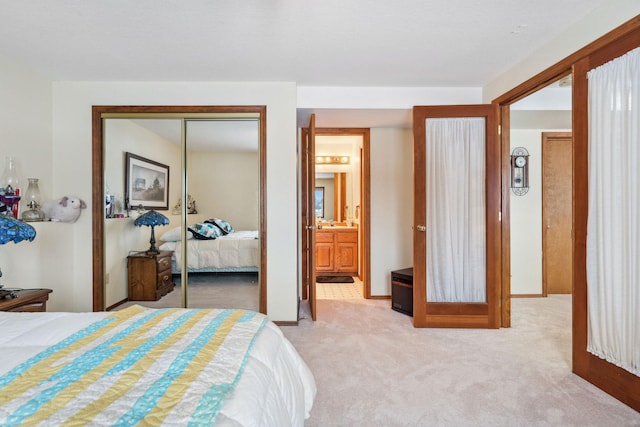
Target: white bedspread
(276, 388)
(239, 249)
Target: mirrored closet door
(178, 207)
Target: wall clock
(520, 171)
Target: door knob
(421, 228)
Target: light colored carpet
(373, 368)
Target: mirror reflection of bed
(223, 175)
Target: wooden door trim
(97, 192)
(505, 224)
(304, 194)
(616, 381)
(546, 137)
(563, 67)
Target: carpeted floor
(206, 290)
(373, 368)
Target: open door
(457, 217)
(587, 149)
(308, 224)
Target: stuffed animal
(66, 209)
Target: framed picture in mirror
(146, 183)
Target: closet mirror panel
(203, 172)
(223, 178)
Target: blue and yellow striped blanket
(136, 366)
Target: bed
(154, 366)
(238, 251)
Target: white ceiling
(319, 43)
(409, 43)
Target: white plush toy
(66, 209)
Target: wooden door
(483, 314)
(557, 244)
(308, 232)
(616, 381)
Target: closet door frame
(618, 382)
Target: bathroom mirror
(337, 195)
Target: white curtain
(455, 174)
(613, 227)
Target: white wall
(600, 21)
(526, 218)
(25, 120)
(226, 185)
(72, 103)
(391, 205)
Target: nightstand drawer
(164, 263)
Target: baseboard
(286, 322)
(527, 296)
(380, 297)
(117, 304)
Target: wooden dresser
(337, 251)
(32, 300)
(149, 275)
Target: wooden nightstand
(149, 275)
(33, 300)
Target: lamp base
(33, 215)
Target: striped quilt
(136, 366)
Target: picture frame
(146, 183)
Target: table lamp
(151, 219)
(13, 230)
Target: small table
(31, 300)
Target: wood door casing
(616, 381)
(557, 211)
(621, 384)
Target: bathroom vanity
(337, 251)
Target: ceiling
(410, 43)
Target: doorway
(545, 112)
(341, 230)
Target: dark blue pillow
(205, 231)
(223, 225)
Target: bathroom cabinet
(337, 251)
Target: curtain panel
(613, 225)
(456, 226)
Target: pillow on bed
(174, 235)
(223, 225)
(205, 231)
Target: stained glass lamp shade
(14, 230)
(151, 219)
